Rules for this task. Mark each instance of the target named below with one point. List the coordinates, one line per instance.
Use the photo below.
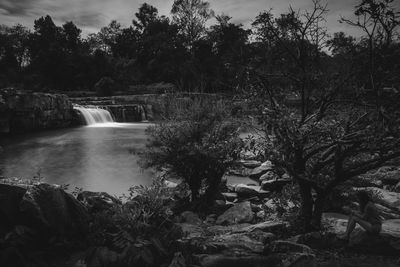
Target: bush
(198, 141)
(145, 210)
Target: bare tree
(325, 140)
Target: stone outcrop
(240, 213)
(22, 111)
(388, 241)
(45, 209)
(97, 201)
(384, 197)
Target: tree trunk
(307, 203)
(319, 205)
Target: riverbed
(96, 158)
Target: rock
(260, 214)
(240, 213)
(237, 241)
(335, 222)
(240, 172)
(220, 206)
(245, 191)
(274, 185)
(97, 201)
(10, 197)
(51, 210)
(230, 196)
(178, 260)
(211, 219)
(251, 164)
(259, 171)
(191, 230)
(389, 175)
(299, 260)
(397, 188)
(26, 111)
(190, 217)
(384, 197)
(283, 246)
(268, 226)
(362, 181)
(387, 243)
(170, 184)
(221, 229)
(249, 260)
(317, 240)
(387, 213)
(269, 175)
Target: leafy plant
(198, 141)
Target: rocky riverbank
(23, 111)
(250, 224)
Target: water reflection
(96, 158)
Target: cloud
(91, 15)
(16, 7)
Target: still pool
(96, 158)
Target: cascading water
(93, 115)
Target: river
(96, 157)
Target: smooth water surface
(97, 157)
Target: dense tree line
(182, 50)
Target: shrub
(198, 141)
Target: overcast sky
(91, 15)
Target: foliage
(198, 142)
(144, 215)
(191, 16)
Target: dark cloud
(91, 15)
(17, 7)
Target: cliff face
(22, 111)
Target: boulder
(387, 213)
(246, 191)
(268, 176)
(388, 175)
(387, 242)
(10, 197)
(239, 213)
(97, 201)
(240, 172)
(268, 226)
(251, 164)
(384, 197)
(249, 260)
(51, 210)
(284, 246)
(274, 185)
(259, 171)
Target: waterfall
(142, 113)
(93, 114)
